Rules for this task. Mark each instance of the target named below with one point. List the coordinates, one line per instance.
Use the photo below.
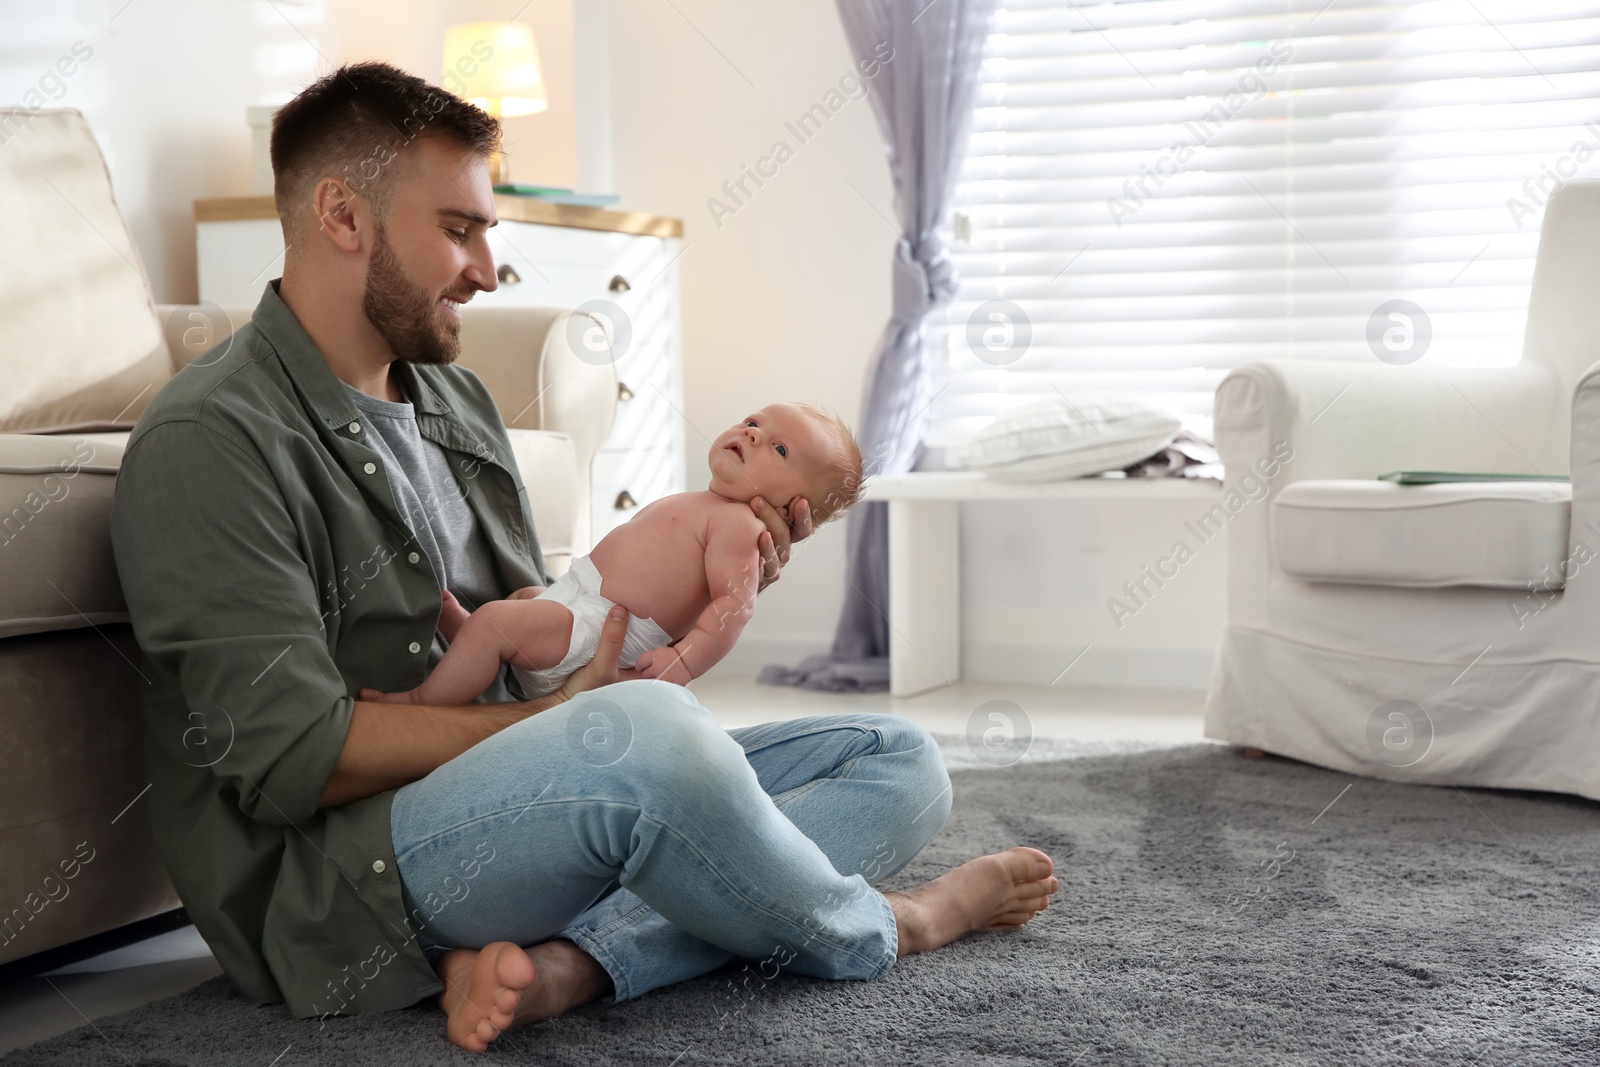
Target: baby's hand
(527, 592)
(664, 664)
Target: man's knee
(668, 736)
(925, 785)
(902, 735)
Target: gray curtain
(923, 99)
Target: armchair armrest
(1586, 459)
(549, 470)
(1359, 420)
(526, 360)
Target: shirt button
(371, 468)
(415, 647)
(355, 427)
(413, 558)
(379, 866)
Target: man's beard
(402, 312)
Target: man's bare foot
(991, 892)
(487, 991)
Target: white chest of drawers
(546, 255)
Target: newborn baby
(685, 568)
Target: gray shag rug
(1214, 909)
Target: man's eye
(782, 451)
(457, 235)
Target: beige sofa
(83, 349)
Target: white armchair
(1443, 634)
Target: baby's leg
(532, 634)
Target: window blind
(1156, 191)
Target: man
(516, 857)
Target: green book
(533, 190)
(1436, 477)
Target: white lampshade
(495, 65)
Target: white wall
(169, 81)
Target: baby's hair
(843, 485)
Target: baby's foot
(408, 697)
(451, 616)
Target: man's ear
(341, 215)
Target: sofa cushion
(1498, 534)
(80, 345)
(56, 567)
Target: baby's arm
(733, 568)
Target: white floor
(35, 1006)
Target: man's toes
(513, 968)
(1038, 865)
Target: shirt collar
(309, 370)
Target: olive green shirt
(269, 576)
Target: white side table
(925, 556)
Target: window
(1157, 191)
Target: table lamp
(495, 65)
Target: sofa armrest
(526, 359)
(192, 330)
(549, 469)
(1359, 420)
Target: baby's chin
(734, 490)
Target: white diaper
(578, 591)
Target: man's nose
(480, 272)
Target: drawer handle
(623, 392)
(619, 284)
(507, 275)
(625, 501)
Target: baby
(685, 568)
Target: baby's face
(778, 453)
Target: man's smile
(452, 305)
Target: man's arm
(389, 745)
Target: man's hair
(842, 483)
(356, 124)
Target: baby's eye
(749, 422)
(782, 451)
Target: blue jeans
(627, 821)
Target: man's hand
(779, 536)
(527, 592)
(602, 669)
